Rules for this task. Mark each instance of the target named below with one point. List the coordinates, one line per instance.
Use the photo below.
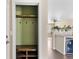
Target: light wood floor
(53, 54)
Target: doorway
(26, 32)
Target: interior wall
(62, 11)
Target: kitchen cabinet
(63, 42)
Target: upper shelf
(26, 16)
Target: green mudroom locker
(26, 32)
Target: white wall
(3, 29)
(62, 9)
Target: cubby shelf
(26, 53)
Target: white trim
(14, 24)
(26, 3)
(13, 31)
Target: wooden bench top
(26, 49)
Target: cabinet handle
(6, 36)
(7, 42)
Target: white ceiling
(60, 9)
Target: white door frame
(14, 24)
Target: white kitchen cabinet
(61, 40)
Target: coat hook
(6, 36)
(20, 22)
(26, 22)
(32, 22)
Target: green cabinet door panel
(18, 31)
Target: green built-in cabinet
(26, 28)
